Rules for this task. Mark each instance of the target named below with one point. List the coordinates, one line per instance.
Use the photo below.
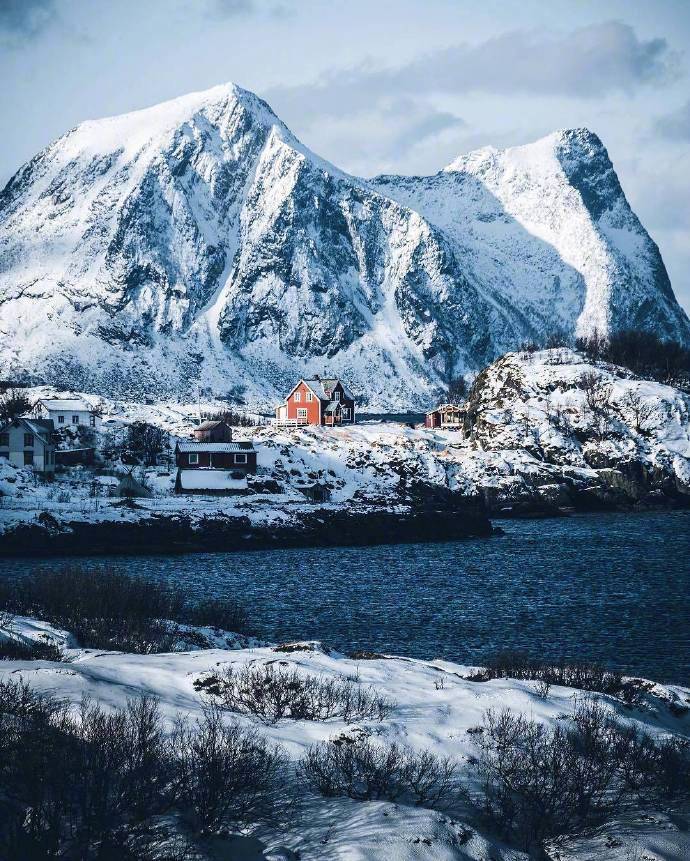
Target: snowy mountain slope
(199, 241)
(548, 226)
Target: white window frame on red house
(302, 413)
(240, 458)
(193, 457)
(298, 397)
(310, 397)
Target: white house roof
(210, 479)
(67, 404)
(215, 446)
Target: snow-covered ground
(435, 708)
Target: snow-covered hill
(437, 708)
(200, 241)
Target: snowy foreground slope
(436, 708)
(546, 432)
(199, 241)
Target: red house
(235, 456)
(318, 401)
(214, 467)
(447, 416)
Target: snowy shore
(546, 433)
(436, 707)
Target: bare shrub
(271, 693)
(224, 773)
(21, 650)
(107, 609)
(537, 782)
(644, 353)
(640, 409)
(583, 676)
(542, 688)
(360, 769)
(218, 613)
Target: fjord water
(612, 588)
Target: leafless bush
(21, 650)
(361, 769)
(224, 773)
(583, 676)
(218, 613)
(537, 782)
(640, 409)
(271, 693)
(542, 688)
(107, 609)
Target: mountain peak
(134, 130)
(200, 240)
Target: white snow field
(435, 706)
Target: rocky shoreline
(320, 527)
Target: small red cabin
(448, 416)
(235, 456)
(318, 401)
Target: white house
(68, 412)
(28, 442)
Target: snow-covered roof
(210, 479)
(333, 407)
(442, 407)
(67, 404)
(192, 445)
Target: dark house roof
(210, 425)
(42, 428)
(192, 445)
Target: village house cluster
(211, 461)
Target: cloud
(244, 8)
(675, 125)
(25, 18)
(413, 124)
(231, 8)
(587, 63)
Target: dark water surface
(614, 588)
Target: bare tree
(640, 409)
(13, 403)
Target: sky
(395, 86)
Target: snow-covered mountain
(199, 242)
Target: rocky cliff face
(199, 243)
